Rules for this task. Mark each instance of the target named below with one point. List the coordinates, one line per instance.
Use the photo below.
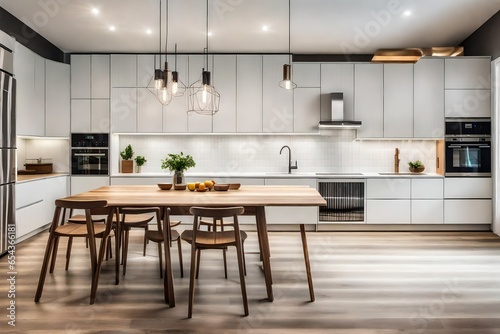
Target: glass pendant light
(162, 77)
(287, 82)
(177, 87)
(203, 98)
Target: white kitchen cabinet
(38, 113)
(369, 99)
(174, 114)
(80, 115)
(337, 78)
(427, 211)
(306, 110)
(427, 188)
(472, 211)
(57, 99)
(55, 188)
(388, 211)
(388, 188)
(24, 69)
(468, 73)
(146, 69)
(99, 115)
(123, 110)
(99, 72)
(149, 112)
(277, 103)
(197, 123)
(306, 75)
(30, 207)
(468, 103)
(398, 100)
(123, 70)
(468, 187)
(80, 76)
(81, 184)
(249, 93)
(428, 104)
(292, 215)
(224, 80)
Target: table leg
(168, 278)
(306, 259)
(265, 251)
(118, 238)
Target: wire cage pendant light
(176, 87)
(287, 82)
(163, 77)
(203, 98)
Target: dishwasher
(345, 200)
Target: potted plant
(178, 163)
(416, 166)
(139, 161)
(127, 163)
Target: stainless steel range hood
(337, 119)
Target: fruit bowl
(234, 186)
(165, 186)
(180, 186)
(201, 190)
(221, 186)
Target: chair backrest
(217, 214)
(141, 211)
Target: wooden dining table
(253, 198)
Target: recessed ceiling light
(112, 28)
(95, 11)
(265, 28)
(407, 13)
(149, 31)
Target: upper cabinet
(428, 104)
(123, 71)
(369, 99)
(42, 95)
(277, 103)
(398, 100)
(57, 101)
(80, 76)
(306, 75)
(224, 80)
(99, 77)
(249, 93)
(468, 73)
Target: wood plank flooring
(365, 283)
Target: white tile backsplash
(339, 152)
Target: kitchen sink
(404, 173)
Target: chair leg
(97, 270)
(306, 260)
(54, 254)
(244, 261)
(179, 248)
(224, 251)
(160, 258)
(198, 256)
(194, 255)
(242, 278)
(125, 251)
(68, 252)
(146, 241)
(43, 271)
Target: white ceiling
(317, 26)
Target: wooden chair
(61, 228)
(140, 217)
(214, 239)
(218, 224)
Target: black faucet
(290, 166)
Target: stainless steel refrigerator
(7, 147)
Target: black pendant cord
(166, 30)
(175, 58)
(289, 29)
(206, 37)
(159, 40)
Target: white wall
(241, 153)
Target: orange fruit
(208, 184)
(201, 186)
(196, 185)
(191, 186)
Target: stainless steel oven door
(86, 161)
(468, 157)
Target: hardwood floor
(365, 283)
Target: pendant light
(203, 98)
(177, 87)
(162, 78)
(287, 82)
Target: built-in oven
(468, 147)
(89, 154)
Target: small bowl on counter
(165, 186)
(234, 186)
(221, 186)
(180, 186)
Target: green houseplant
(178, 163)
(127, 163)
(139, 161)
(416, 166)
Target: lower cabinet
(427, 211)
(35, 203)
(388, 211)
(467, 211)
(291, 215)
